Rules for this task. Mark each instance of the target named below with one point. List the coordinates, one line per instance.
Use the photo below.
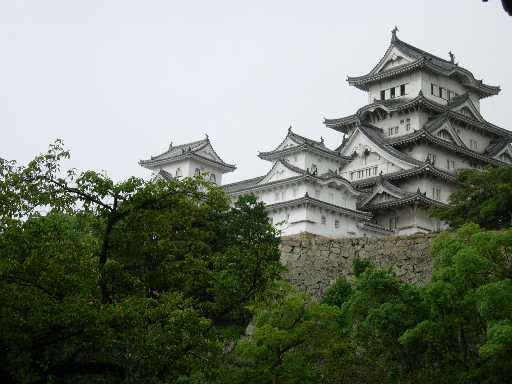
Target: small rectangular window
(336, 223)
(408, 127)
(317, 194)
(383, 95)
(402, 121)
(396, 130)
(323, 220)
(448, 164)
(434, 90)
(352, 175)
(408, 120)
(390, 131)
(276, 196)
(402, 90)
(295, 192)
(283, 195)
(392, 93)
(438, 194)
(374, 171)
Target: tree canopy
(485, 200)
(131, 281)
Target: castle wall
(313, 265)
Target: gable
(278, 172)
(287, 143)
(505, 154)
(209, 153)
(468, 109)
(393, 58)
(367, 157)
(448, 133)
(379, 195)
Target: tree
(287, 332)
(486, 200)
(132, 281)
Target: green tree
(467, 335)
(287, 334)
(486, 200)
(129, 281)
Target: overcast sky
(119, 81)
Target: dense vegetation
(485, 200)
(141, 282)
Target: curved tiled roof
(379, 140)
(183, 151)
(405, 197)
(496, 147)
(423, 59)
(302, 143)
(306, 199)
(402, 102)
(254, 184)
(426, 133)
(427, 167)
(241, 185)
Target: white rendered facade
(421, 127)
(401, 153)
(303, 191)
(188, 160)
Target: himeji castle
(400, 155)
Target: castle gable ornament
(361, 149)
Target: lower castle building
(401, 154)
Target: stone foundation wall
(314, 264)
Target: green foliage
(486, 200)
(337, 293)
(287, 334)
(360, 265)
(132, 281)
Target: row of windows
(336, 222)
(393, 92)
(282, 194)
(395, 130)
(363, 173)
(197, 172)
(442, 92)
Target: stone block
(286, 249)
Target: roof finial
(170, 146)
(290, 129)
(321, 139)
(207, 138)
(418, 191)
(420, 93)
(427, 160)
(452, 57)
(393, 34)
(381, 176)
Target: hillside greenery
(167, 282)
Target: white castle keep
(400, 155)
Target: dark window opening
(383, 95)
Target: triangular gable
(468, 109)
(278, 172)
(505, 154)
(448, 133)
(393, 58)
(287, 143)
(380, 194)
(359, 144)
(209, 153)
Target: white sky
(119, 80)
